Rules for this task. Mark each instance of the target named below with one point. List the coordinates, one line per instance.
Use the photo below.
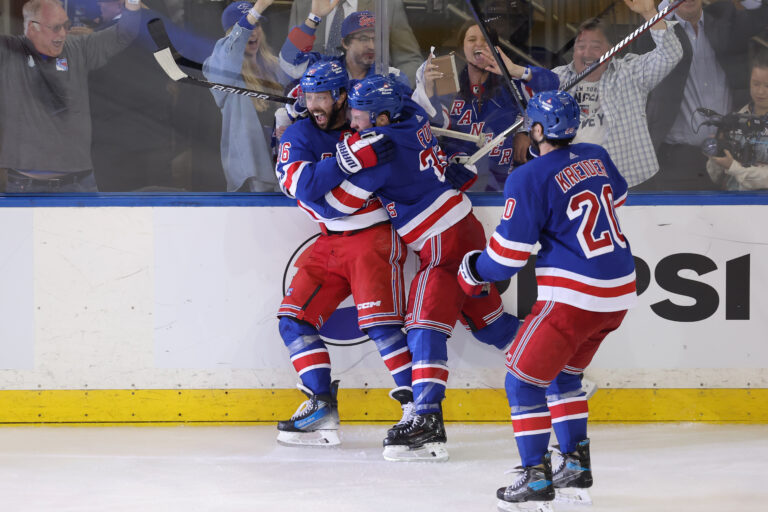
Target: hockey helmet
(557, 112)
(325, 75)
(377, 94)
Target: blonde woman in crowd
(243, 58)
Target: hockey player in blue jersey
(436, 221)
(359, 254)
(565, 200)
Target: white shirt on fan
(592, 123)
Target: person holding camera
(715, 40)
(726, 171)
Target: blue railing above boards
(217, 199)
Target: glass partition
(90, 109)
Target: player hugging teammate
(430, 216)
(565, 200)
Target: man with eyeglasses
(45, 139)
(404, 50)
(357, 45)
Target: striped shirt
(624, 88)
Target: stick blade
(165, 58)
(158, 33)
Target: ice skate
(422, 440)
(532, 491)
(572, 475)
(315, 422)
(404, 395)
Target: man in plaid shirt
(613, 97)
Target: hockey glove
(298, 108)
(361, 151)
(460, 176)
(469, 280)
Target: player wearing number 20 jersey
(565, 200)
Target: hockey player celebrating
(358, 254)
(565, 200)
(436, 221)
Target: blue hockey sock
(501, 333)
(530, 419)
(309, 354)
(393, 347)
(568, 405)
(430, 371)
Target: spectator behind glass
(725, 171)
(45, 124)
(715, 42)
(131, 99)
(482, 105)
(244, 59)
(404, 51)
(613, 97)
(357, 43)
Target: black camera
(744, 135)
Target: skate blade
(430, 452)
(525, 506)
(314, 438)
(573, 496)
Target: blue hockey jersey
(566, 201)
(306, 169)
(412, 187)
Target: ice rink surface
(646, 467)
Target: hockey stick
(169, 59)
(487, 148)
(156, 29)
(581, 76)
(521, 103)
(621, 45)
(479, 140)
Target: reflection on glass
(124, 126)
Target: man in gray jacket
(45, 121)
(404, 51)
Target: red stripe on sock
(422, 372)
(568, 408)
(398, 361)
(311, 359)
(531, 424)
